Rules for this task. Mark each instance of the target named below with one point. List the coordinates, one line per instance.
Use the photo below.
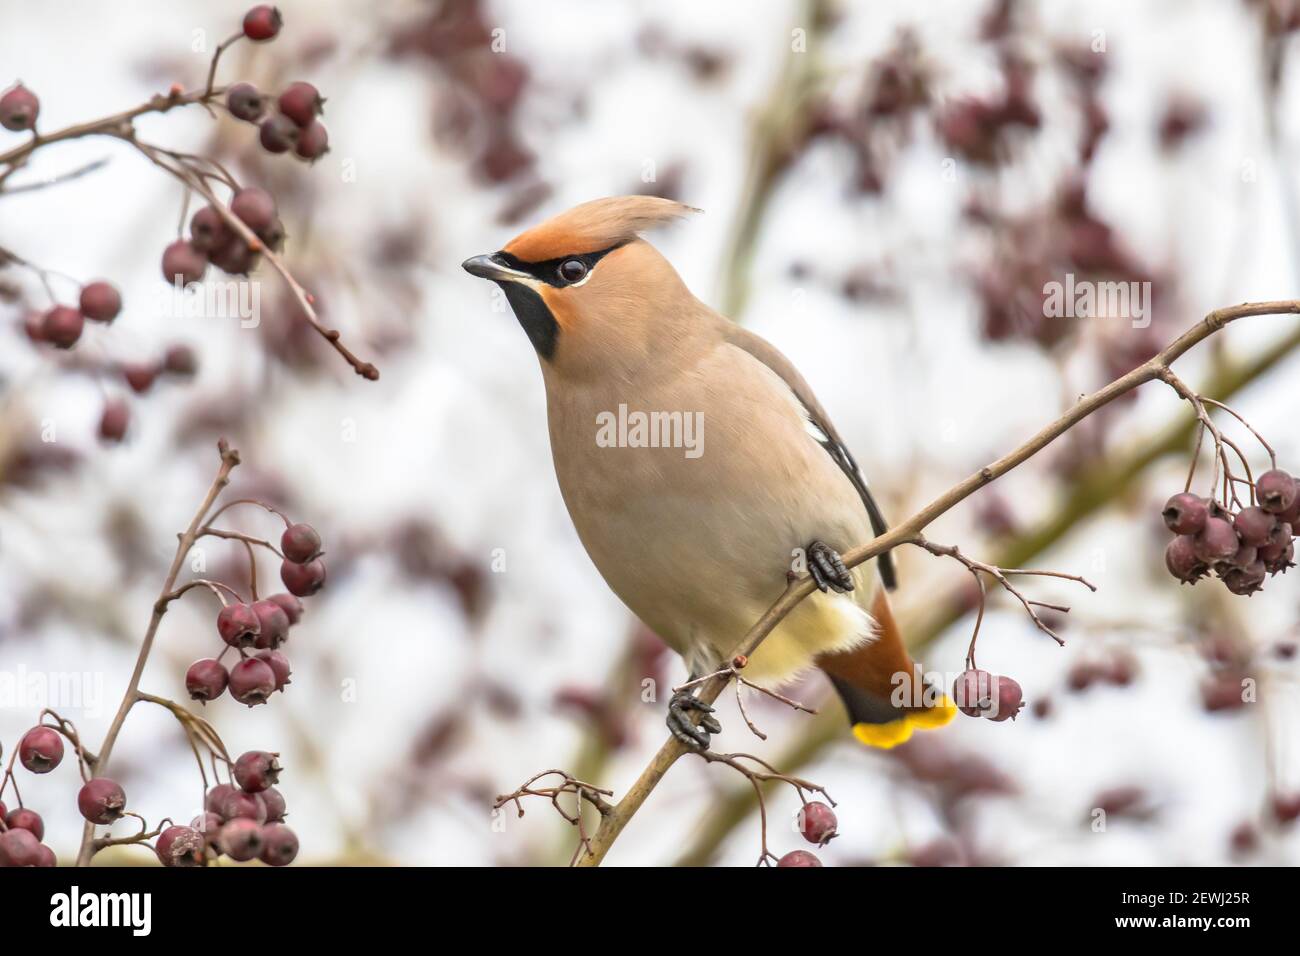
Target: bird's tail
(882, 687)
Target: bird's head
(585, 287)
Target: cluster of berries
(292, 125)
(262, 627)
(243, 821)
(818, 825)
(62, 325)
(1241, 549)
(213, 240)
(978, 693)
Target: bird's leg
(827, 568)
(695, 736)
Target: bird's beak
(491, 267)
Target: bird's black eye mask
(559, 272)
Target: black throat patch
(534, 316)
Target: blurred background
(886, 188)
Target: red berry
(313, 141)
(300, 543)
(1217, 541)
(180, 846)
(273, 800)
(262, 22)
(291, 605)
(241, 839)
(272, 236)
(1245, 581)
(140, 375)
(256, 770)
(101, 801)
(1008, 701)
(19, 848)
(32, 326)
(180, 360)
(235, 257)
(252, 681)
(1185, 513)
(245, 102)
(25, 819)
(1277, 557)
(19, 108)
(1255, 525)
(303, 580)
(182, 262)
(206, 679)
(1276, 491)
(277, 133)
(255, 207)
(279, 665)
(114, 419)
(239, 804)
(1222, 691)
(208, 231)
(41, 749)
(1286, 809)
(213, 802)
(209, 825)
(61, 326)
(279, 845)
(973, 692)
(799, 858)
(46, 857)
(1182, 562)
(100, 301)
(273, 625)
(301, 102)
(817, 823)
(238, 625)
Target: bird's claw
(827, 568)
(694, 736)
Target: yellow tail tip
(888, 735)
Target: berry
(140, 375)
(273, 800)
(1277, 557)
(1286, 809)
(209, 825)
(1222, 691)
(279, 845)
(817, 823)
(301, 102)
(208, 231)
(238, 625)
(239, 805)
(1255, 525)
(1216, 541)
(279, 665)
(1185, 513)
(254, 206)
(273, 625)
(241, 839)
(235, 257)
(101, 801)
(278, 133)
(303, 580)
(41, 749)
(313, 141)
(256, 770)
(262, 22)
(182, 262)
(32, 323)
(180, 846)
(19, 108)
(19, 848)
(300, 543)
(252, 681)
(273, 236)
(973, 692)
(46, 857)
(114, 419)
(1008, 701)
(100, 301)
(1276, 491)
(245, 102)
(61, 326)
(212, 803)
(291, 605)
(25, 819)
(1247, 580)
(1182, 562)
(799, 858)
(180, 360)
(206, 679)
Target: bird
(701, 472)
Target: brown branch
(613, 822)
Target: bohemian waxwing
(699, 469)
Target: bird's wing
(822, 431)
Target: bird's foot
(695, 736)
(827, 568)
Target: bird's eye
(572, 270)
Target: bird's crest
(595, 226)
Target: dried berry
(245, 102)
(817, 823)
(180, 846)
(252, 681)
(279, 845)
(1182, 561)
(100, 301)
(304, 580)
(1185, 513)
(262, 22)
(1247, 580)
(206, 679)
(41, 749)
(238, 625)
(101, 801)
(300, 543)
(1277, 558)
(19, 108)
